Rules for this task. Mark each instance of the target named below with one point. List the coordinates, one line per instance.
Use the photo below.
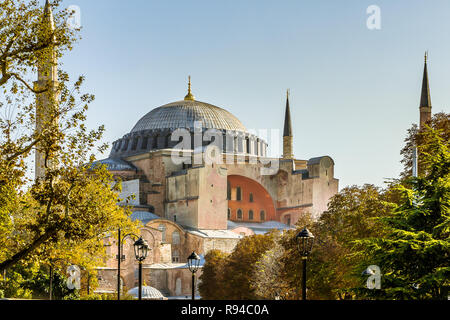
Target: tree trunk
(25, 251)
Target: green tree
(414, 252)
(350, 216)
(415, 138)
(232, 274)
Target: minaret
(46, 102)
(287, 132)
(425, 99)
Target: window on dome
(144, 143)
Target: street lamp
(121, 256)
(193, 263)
(140, 251)
(305, 240)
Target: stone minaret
(46, 102)
(287, 132)
(425, 99)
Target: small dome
(183, 114)
(148, 292)
(143, 216)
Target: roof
(425, 98)
(116, 164)
(317, 160)
(287, 132)
(147, 293)
(175, 265)
(183, 114)
(143, 216)
(259, 227)
(221, 234)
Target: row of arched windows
(238, 194)
(239, 215)
(163, 140)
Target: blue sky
(354, 91)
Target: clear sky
(354, 91)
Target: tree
(415, 138)
(24, 38)
(414, 253)
(75, 202)
(267, 277)
(233, 273)
(210, 287)
(350, 216)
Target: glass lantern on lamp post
(193, 263)
(305, 241)
(140, 251)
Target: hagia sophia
(201, 181)
(190, 205)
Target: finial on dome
(426, 56)
(189, 96)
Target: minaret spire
(189, 96)
(287, 131)
(425, 99)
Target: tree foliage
(63, 215)
(415, 253)
(415, 138)
(231, 275)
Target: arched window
(155, 142)
(250, 215)
(175, 237)
(125, 146)
(144, 143)
(134, 143)
(288, 219)
(251, 197)
(228, 191)
(229, 213)
(168, 140)
(239, 214)
(162, 228)
(178, 287)
(175, 256)
(262, 215)
(238, 193)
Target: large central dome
(183, 114)
(154, 130)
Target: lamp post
(193, 263)
(305, 240)
(120, 256)
(140, 251)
